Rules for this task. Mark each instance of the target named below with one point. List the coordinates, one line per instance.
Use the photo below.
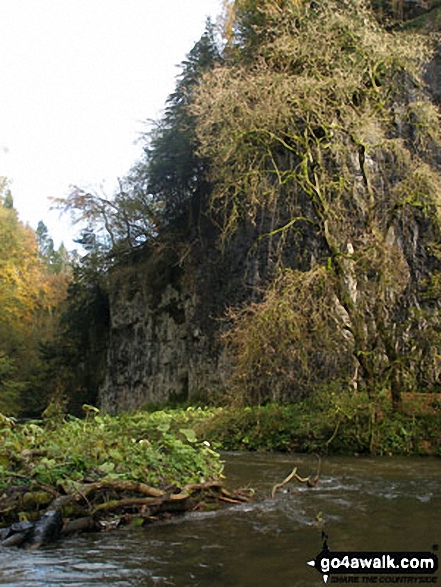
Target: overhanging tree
(322, 126)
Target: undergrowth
(140, 447)
(164, 448)
(334, 423)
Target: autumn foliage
(30, 293)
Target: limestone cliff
(166, 313)
(353, 219)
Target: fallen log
(78, 526)
(236, 497)
(127, 503)
(33, 535)
(119, 486)
(106, 504)
(17, 534)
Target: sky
(78, 81)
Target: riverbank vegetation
(102, 471)
(65, 475)
(302, 144)
(141, 448)
(328, 423)
(332, 423)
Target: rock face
(414, 8)
(157, 352)
(168, 308)
(166, 316)
(159, 349)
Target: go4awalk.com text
(406, 568)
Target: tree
(45, 242)
(247, 25)
(75, 356)
(111, 226)
(10, 387)
(30, 293)
(166, 183)
(22, 285)
(56, 261)
(174, 171)
(305, 134)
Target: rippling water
(363, 504)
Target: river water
(363, 504)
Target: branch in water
(294, 475)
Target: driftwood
(105, 504)
(79, 525)
(311, 482)
(100, 506)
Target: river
(363, 504)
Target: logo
(375, 567)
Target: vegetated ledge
(71, 476)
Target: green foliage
(245, 26)
(75, 358)
(6, 199)
(10, 385)
(331, 422)
(428, 21)
(307, 426)
(142, 447)
(56, 261)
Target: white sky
(78, 79)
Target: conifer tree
(174, 172)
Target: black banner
(328, 562)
